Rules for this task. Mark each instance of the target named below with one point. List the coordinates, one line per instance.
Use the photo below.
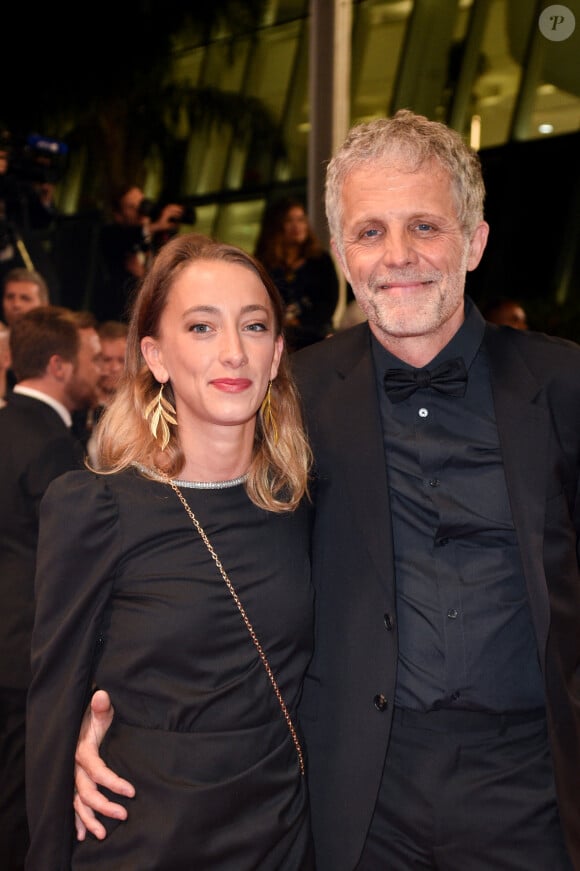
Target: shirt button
(423, 412)
(381, 702)
(388, 620)
(455, 696)
(441, 542)
(452, 613)
(434, 482)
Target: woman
(302, 270)
(154, 571)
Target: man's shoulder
(337, 350)
(526, 362)
(31, 428)
(25, 409)
(534, 346)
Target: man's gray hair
(412, 141)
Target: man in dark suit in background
(55, 356)
(127, 244)
(441, 710)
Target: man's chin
(403, 324)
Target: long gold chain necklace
(245, 618)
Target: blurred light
(546, 128)
(475, 132)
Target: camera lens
(189, 215)
(146, 208)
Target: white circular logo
(557, 23)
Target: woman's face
(217, 345)
(295, 225)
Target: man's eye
(257, 327)
(424, 227)
(370, 233)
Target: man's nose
(398, 247)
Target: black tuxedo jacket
(35, 447)
(346, 723)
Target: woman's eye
(199, 328)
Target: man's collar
(465, 343)
(60, 409)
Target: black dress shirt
(466, 639)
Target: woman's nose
(232, 350)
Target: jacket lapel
(361, 449)
(523, 426)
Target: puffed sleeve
(78, 550)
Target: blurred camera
(152, 210)
(37, 159)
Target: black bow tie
(449, 377)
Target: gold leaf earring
(268, 419)
(162, 413)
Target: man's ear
(154, 358)
(477, 245)
(59, 368)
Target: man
(441, 711)
(506, 312)
(5, 362)
(113, 338)
(23, 290)
(25, 216)
(55, 355)
(126, 245)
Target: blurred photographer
(138, 229)
(30, 168)
(10, 208)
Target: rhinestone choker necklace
(210, 485)
(194, 485)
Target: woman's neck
(219, 455)
(292, 254)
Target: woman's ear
(278, 348)
(154, 358)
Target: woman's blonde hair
(278, 474)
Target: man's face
(19, 297)
(510, 314)
(405, 253)
(112, 364)
(5, 358)
(81, 387)
(128, 212)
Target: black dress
(129, 598)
